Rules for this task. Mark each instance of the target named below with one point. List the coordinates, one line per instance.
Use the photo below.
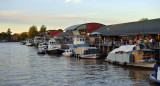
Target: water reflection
(21, 65)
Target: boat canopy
(124, 48)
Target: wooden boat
(87, 52)
(132, 55)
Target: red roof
(54, 32)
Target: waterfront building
(113, 36)
(15, 37)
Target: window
(140, 52)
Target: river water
(20, 65)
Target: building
(51, 33)
(15, 37)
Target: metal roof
(140, 27)
(78, 25)
(74, 27)
(63, 34)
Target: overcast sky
(19, 15)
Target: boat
(29, 42)
(132, 55)
(22, 42)
(153, 78)
(68, 53)
(39, 39)
(87, 52)
(42, 48)
(54, 47)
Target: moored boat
(88, 52)
(29, 42)
(42, 48)
(68, 53)
(153, 78)
(54, 48)
(132, 55)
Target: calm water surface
(20, 65)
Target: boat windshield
(92, 51)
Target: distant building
(51, 33)
(15, 37)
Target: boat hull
(148, 65)
(29, 44)
(41, 51)
(90, 56)
(55, 51)
(67, 54)
(153, 78)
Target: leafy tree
(60, 30)
(32, 32)
(143, 19)
(8, 34)
(23, 36)
(42, 29)
(3, 36)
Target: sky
(20, 15)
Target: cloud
(75, 1)
(24, 17)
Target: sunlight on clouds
(22, 17)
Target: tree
(42, 29)
(32, 32)
(3, 36)
(60, 30)
(23, 36)
(8, 34)
(143, 19)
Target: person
(155, 68)
(151, 40)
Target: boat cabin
(87, 50)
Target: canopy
(124, 48)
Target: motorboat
(54, 47)
(29, 42)
(153, 78)
(42, 48)
(87, 52)
(68, 53)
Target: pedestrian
(150, 41)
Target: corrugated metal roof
(140, 27)
(78, 25)
(63, 34)
(74, 27)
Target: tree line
(7, 36)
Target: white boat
(88, 52)
(54, 48)
(29, 42)
(42, 48)
(132, 55)
(154, 78)
(68, 53)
